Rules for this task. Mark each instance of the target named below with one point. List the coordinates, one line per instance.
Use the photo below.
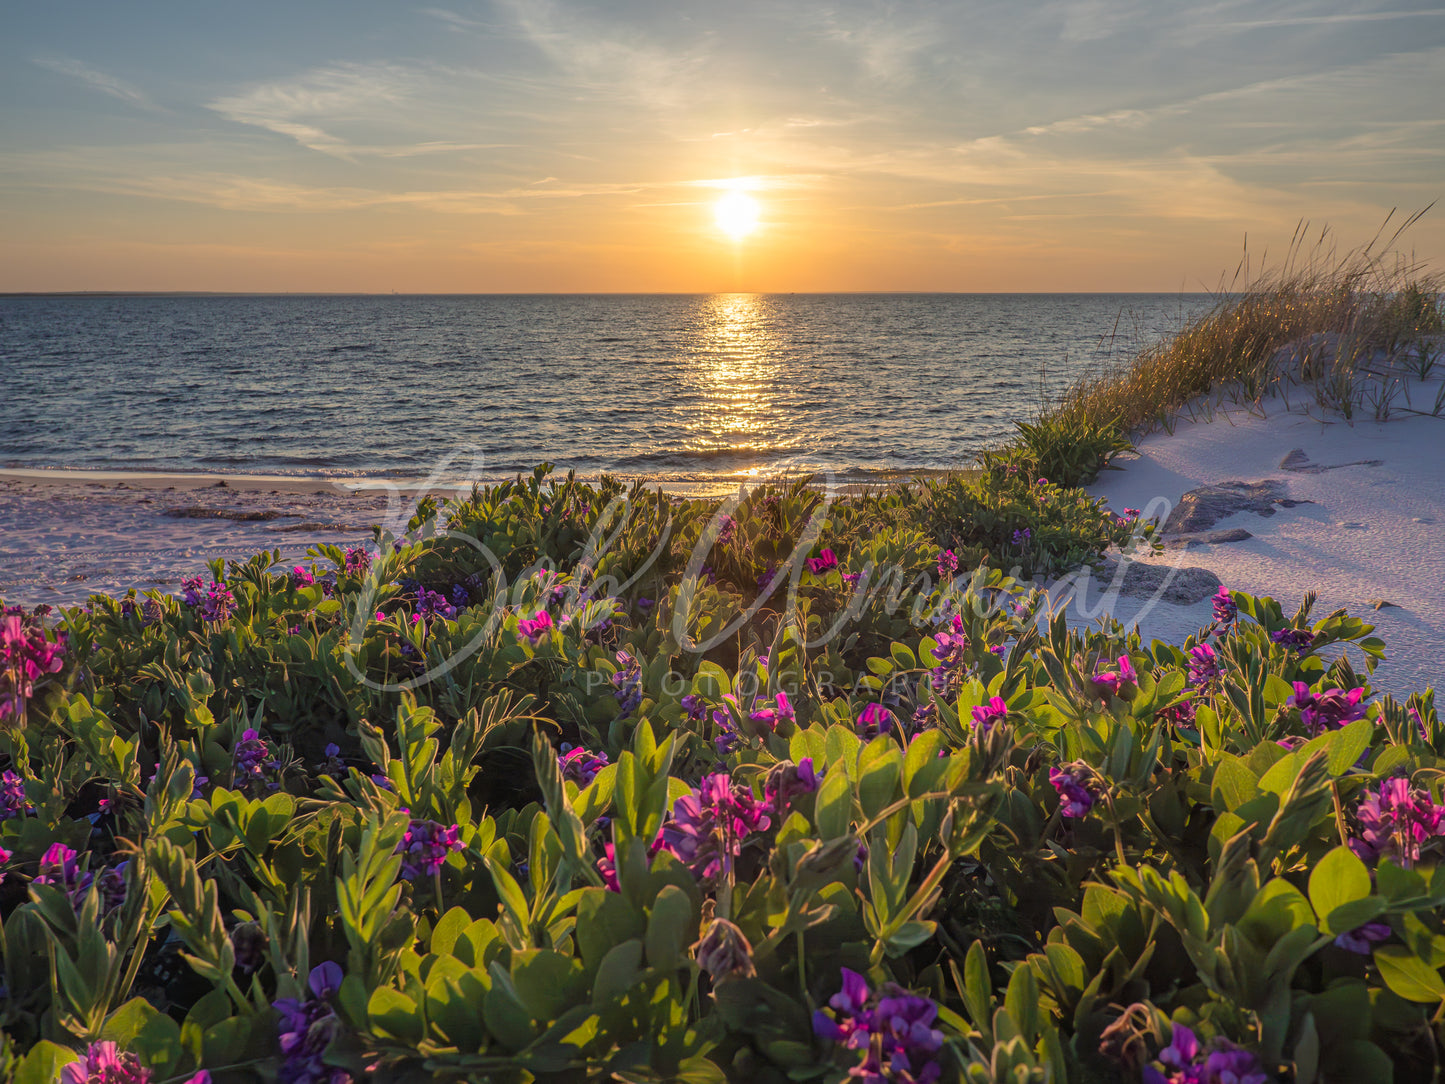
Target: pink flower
(534, 628)
(825, 560)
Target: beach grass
(1348, 330)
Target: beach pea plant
(570, 783)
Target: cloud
(607, 64)
(98, 80)
(338, 93)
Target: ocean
(697, 391)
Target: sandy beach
(70, 534)
(1354, 510)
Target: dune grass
(1348, 329)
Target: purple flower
(986, 715)
(1021, 538)
(947, 563)
(852, 578)
(1118, 682)
(1203, 665)
(579, 765)
(12, 797)
(214, 601)
(825, 560)
(1362, 939)
(250, 753)
(1396, 822)
(1328, 710)
(305, 1030)
(728, 527)
(694, 706)
(709, 826)
(425, 847)
(358, 561)
(1225, 609)
(533, 628)
(1294, 639)
(786, 781)
(1074, 784)
(895, 1029)
(766, 578)
(1186, 1063)
(874, 719)
(627, 683)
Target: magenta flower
(1074, 782)
(533, 628)
(1225, 609)
(26, 657)
(986, 715)
(768, 717)
(947, 563)
(1327, 710)
(1118, 682)
(301, 577)
(5, 856)
(106, 1063)
(1396, 822)
(873, 720)
(426, 846)
(709, 826)
(1203, 665)
(825, 560)
(579, 765)
(358, 561)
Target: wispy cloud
(607, 63)
(98, 80)
(298, 108)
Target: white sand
(1370, 533)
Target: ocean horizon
(690, 390)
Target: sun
(737, 214)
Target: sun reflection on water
(736, 371)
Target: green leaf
(617, 973)
(671, 927)
(394, 1015)
(43, 1063)
(1234, 784)
(1408, 975)
(833, 809)
(1348, 744)
(1338, 878)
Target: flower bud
(724, 952)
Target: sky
(558, 146)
